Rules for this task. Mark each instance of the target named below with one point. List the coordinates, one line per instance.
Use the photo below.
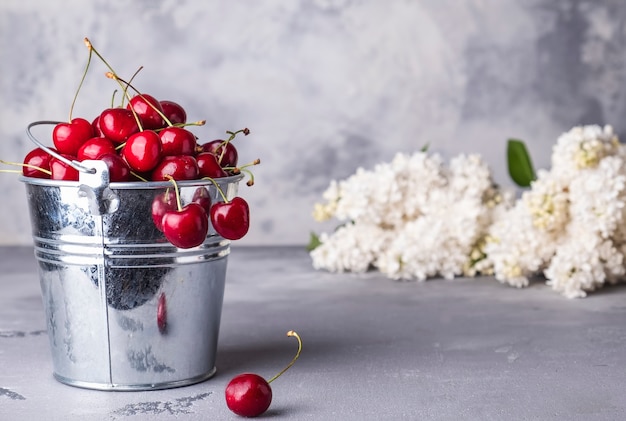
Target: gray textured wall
(324, 85)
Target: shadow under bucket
(125, 309)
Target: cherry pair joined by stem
(187, 226)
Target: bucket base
(134, 387)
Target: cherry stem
(182, 125)
(237, 170)
(113, 99)
(112, 75)
(19, 164)
(121, 82)
(295, 334)
(131, 79)
(128, 85)
(249, 164)
(93, 49)
(138, 176)
(195, 123)
(80, 85)
(178, 203)
(245, 132)
(219, 189)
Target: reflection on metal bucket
(103, 268)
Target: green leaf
(314, 242)
(425, 147)
(520, 165)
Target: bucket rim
(134, 185)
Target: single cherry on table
(250, 395)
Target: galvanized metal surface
(106, 271)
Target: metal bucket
(125, 309)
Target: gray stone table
(374, 349)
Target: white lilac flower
(351, 248)
(547, 202)
(326, 211)
(569, 225)
(436, 244)
(516, 248)
(582, 147)
(598, 198)
(412, 218)
(584, 262)
(416, 218)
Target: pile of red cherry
(146, 139)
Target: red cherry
(143, 151)
(117, 124)
(208, 166)
(230, 157)
(94, 148)
(149, 116)
(95, 124)
(202, 197)
(118, 168)
(61, 171)
(180, 167)
(68, 137)
(231, 219)
(248, 395)
(37, 158)
(187, 227)
(174, 112)
(162, 314)
(162, 203)
(177, 141)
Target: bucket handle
(74, 164)
(94, 179)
